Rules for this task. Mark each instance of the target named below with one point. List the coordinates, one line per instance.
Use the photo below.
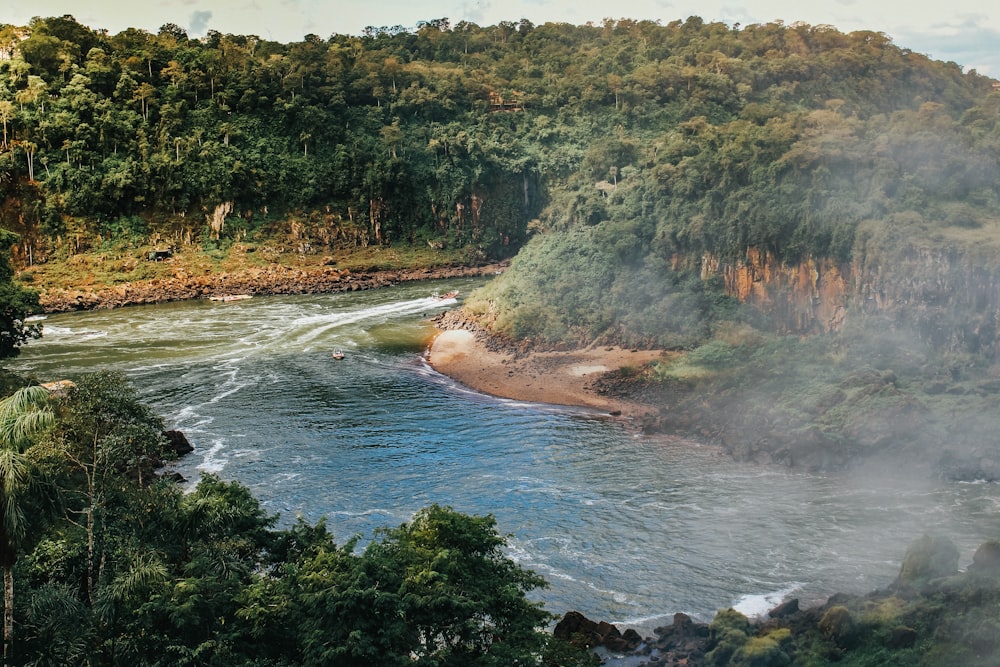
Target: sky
(966, 32)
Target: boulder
(786, 608)
(930, 557)
(578, 629)
(986, 560)
(178, 443)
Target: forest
(613, 162)
(645, 141)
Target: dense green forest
(611, 159)
(641, 147)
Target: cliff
(949, 297)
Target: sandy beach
(561, 378)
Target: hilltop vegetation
(656, 139)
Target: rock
(786, 608)
(930, 557)
(986, 560)
(578, 629)
(178, 443)
(684, 636)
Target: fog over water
(625, 528)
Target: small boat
(445, 297)
(231, 297)
(337, 353)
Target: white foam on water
(213, 460)
(317, 325)
(756, 605)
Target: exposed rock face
(178, 443)
(260, 282)
(811, 296)
(947, 295)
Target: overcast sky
(964, 31)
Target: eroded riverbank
(266, 281)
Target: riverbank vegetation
(633, 168)
(106, 562)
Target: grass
(116, 265)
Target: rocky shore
(933, 613)
(271, 280)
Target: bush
(838, 626)
(763, 651)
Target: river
(626, 529)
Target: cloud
(199, 22)
(968, 41)
(475, 11)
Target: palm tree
(23, 415)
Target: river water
(624, 528)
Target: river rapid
(625, 528)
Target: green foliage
(838, 625)
(16, 304)
(728, 632)
(136, 571)
(435, 591)
(763, 651)
(711, 139)
(570, 288)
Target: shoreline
(552, 377)
(266, 281)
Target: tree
(106, 435)
(16, 304)
(436, 591)
(23, 415)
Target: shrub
(838, 626)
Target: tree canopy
(465, 133)
(131, 569)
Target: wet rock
(178, 443)
(986, 560)
(786, 608)
(578, 629)
(930, 557)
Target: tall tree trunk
(8, 614)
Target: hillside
(712, 190)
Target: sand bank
(561, 378)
